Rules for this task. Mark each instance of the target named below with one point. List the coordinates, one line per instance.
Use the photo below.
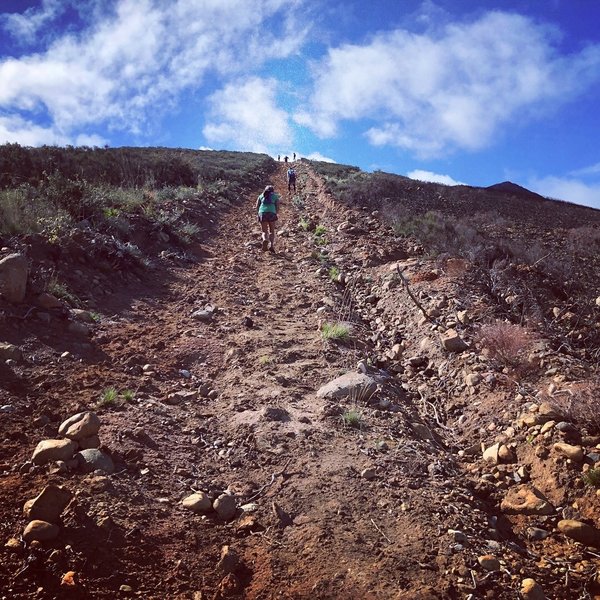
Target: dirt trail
(323, 526)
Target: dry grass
(582, 406)
(506, 343)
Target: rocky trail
(242, 454)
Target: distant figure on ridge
(291, 179)
(294, 157)
(267, 206)
(278, 157)
(285, 159)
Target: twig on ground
(270, 483)
(416, 301)
(381, 532)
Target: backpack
(291, 175)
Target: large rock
(354, 385)
(525, 500)
(40, 531)
(580, 532)
(48, 301)
(531, 590)
(13, 277)
(80, 426)
(199, 503)
(453, 342)
(93, 459)
(50, 450)
(225, 506)
(49, 504)
(9, 351)
(575, 453)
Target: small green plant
(111, 212)
(334, 273)
(352, 418)
(188, 231)
(95, 317)
(592, 477)
(60, 290)
(128, 395)
(304, 224)
(109, 397)
(264, 360)
(335, 331)
(320, 230)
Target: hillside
(401, 402)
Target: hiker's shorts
(267, 217)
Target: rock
(531, 590)
(80, 426)
(225, 507)
(78, 328)
(198, 503)
(182, 396)
(457, 536)
(357, 386)
(40, 531)
(50, 450)
(9, 352)
(452, 342)
(472, 379)
(89, 442)
(580, 532)
(49, 504)
(506, 455)
(368, 474)
(204, 315)
(423, 432)
(525, 500)
(489, 562)
(547, 426)
(93, 459)
(13, 545)
(575, 453)
(230, 561)
(274, 413)
(491, 454)
(13, 277)
(548, 412)
(537, 534)
(85, 316)
(463, 317)
(48, 301)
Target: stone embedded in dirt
(491, 454)
(423, 432)
(85, 316)
(78, 328)
(229, 586)
(50, 450)
(225, 507)
(580, 532)
(13, 277)
(9, 352)
(489, 562)
(198, 502)
(537, 534)
(48, 301)
(547, 426)
(457, 536)
(93, 459)
(181, 396)
(13, 545)
(473, 379)
(41, 531)
(368, 473)
(549, 412)
(80, 426)
(525, 500)
(531, 590)
(274, 413)
(505, 454)
(204, 315)
(452, 342)
(49, 504)
(230, 561)
(355, 385)
(575, 453)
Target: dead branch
(416, 301)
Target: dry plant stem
(416, 301)
(381, 532)
(270, 483)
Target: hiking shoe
(265, 245)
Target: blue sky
(442, 90)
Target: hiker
(285, 159)
(267, 205)
(291, 179)
(294, 157)
(278, 157)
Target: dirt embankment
(370, 495)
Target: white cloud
(25, 26)
(433, 177)
(591, 170)
(320, 157)
(246, 115)
(569, 189)
(451, 88)
(133, 62)
(14, 129)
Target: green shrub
(335, 331)
(352, 418)
(109, 397)
(334, 273)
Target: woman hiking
(267, 205)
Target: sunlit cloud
(456, 87)
(433, 177)
(569, 189)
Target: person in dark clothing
(291, 179)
